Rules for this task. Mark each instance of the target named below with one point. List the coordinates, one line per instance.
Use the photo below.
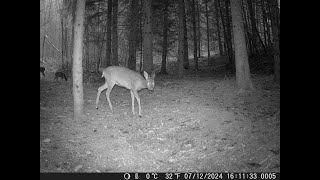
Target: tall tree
(218, 26)
(276, 41)
(108, 50)
(255, 33)
(198, 12)
(253, 27)
(228, 37)
(241, 56)
(77, 60)
(181, 51)
(186, 63)
(140, 38)
(115, 33)
(62, 42)
(223, 26)
(133, 34)
(208, 34)
(194, 28)
(147, 37)
(165, 38)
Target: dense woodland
(140, 34)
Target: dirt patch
(195, 124)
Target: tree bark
(198, 29)
(147, 37)
(276, 41)
(194, 28)
(133, 34)
(229, 35)
(77, 60)
(114, 51)
(181, 39)
(208, 35)
(218, 26)
(186, 63)
(108, 50)
(165, 39)
(62, 44)
(241, 56)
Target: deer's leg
(100, 89)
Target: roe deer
(126, 78)
(61, 75)
(42, 69)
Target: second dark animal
(61, 75)
(42, 69)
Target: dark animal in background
(61, 75)
(42, 69)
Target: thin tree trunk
(86, 34)
(208, 35)
(265, 24)
(195, 58)
(108, 44)
(218, 26)
(62, 45)
(253, 24)
(181, 39)
(115, 33)
(141, 38)
(199, 30)
(43, 42)
(165, 39)
(186, 63)
(276, 41)
(229, 41)
(223, 28)
(66, 45)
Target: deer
(42, 69)
(127, 78)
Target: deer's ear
(145, 74)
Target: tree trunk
(133, 34)
(165, 39)
(198, 29)
(147, 37)
(115, 33)
(276, 41)
(186, 63)
(77, 60)
(253, 24)
(223, 28)
(108, 44)
(229, 35)
(241, 56)
(141, 37)
(208, 35)
(218, 26)
(181, 39)
(66, 45)
(86, 45)
(62, 47)
(194, 28)
(43, 43)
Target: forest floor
(195, 124)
